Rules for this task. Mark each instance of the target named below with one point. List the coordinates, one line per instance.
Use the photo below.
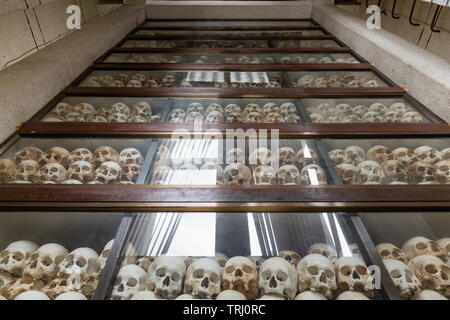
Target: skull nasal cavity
(166, 281)
(273, 283)
(355, 275)
(238, 273)
(205, 283)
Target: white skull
(354, 155)
(134, 84)
(405, 156)
(118, 118)
(372, 117)
(316, 273)
(270, 108)
(120, 108)
(429, 295)
(432, 272)
(28, 153)
(7, 170)
(141, 109)
(351, 295)
(145, 295)
(75, 117)
(257, 261)
(389, 251)
(237, 174)
(232, 108)
(324, 250)
(195, 107)
(203, 279)
(371, 171)
(264, 175)
(353, 274)
(32, 295)
(288, 175)
(82, 171)
(337, 156)
(231, 295)
(166, 276)
(221, 259)
(80, 262)
(193, 117)
(130, 156)
(290, 256)
(130, 280)
(445, 243)
(309, 295)
(214, 117)
(240, 274)
(311, 173)
(43, 263)
(443, 171)
(104, 154)
(5, 278)
(52, 172)
(108, 173)
(418, 246)
(428, 155)
(56, 155)
(86, 109)
(394, 170)
(420, 172)
(277, 276)
(80, 154)
(58, 286)
(404, 279)
(130, 255)
(399, 107)
(13, 258)
(287, 109)
(412, 117)
(214, 107)
(72, 295)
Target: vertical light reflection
(346, 252)
(255, 248)
(328, 225)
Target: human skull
(234, 117)
(80, 154)
(134, 84)
(141, 109)
(445, 153)
(305, 157)
(117, 118)
(32, 295)
(309, 295)
(28, 171)
(292, 118)
(337, 156)
(306, 81)
(237, 174)
(324, 250)
(445, 243)
(392, 117)
(360, 110)
(404, 279)
(5, 279)
(324, 109)
(260, 156)
(353, 274)
(354, 155)
(389, 251)
(405, 156)
(18, 286)
(231, 295)
(351, 295)
(195, 107)
(56, 155)
(279, 277)
(288, 175)
(253, 117)
(420, 172)
(43, 263)
(130, 156)
(394, 170)
(349, 174)
(235, 155)
(81, 170)
(379, 154)
(28, 153)
(429, 295)
(13, 258)
(412, 117)
(270, 108)
(178, 113)
(7, 170)
(52, 172)
(432, 272)
(108, 173)
(81, 263)
(316, 273)
(284, 156)
(378, 108)
(62, 109)
(129, 255)
(104, 154)
(287, 108)
(428, 155)
(252, 107)
(399, 107)
(130, 280)
(203, 279)
(274, 117)
(75, 117)
(241, 275)
(418, 246)
(166, 276)
(442, 172)
(56, 287)
(313, 175)
(372, 117)
(71, 295)
(214, 117)
(130, 172)
(371, 171)
(86, 109)
(264, 175)
(290, 256)
(232, 108)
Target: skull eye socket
(247, 268)
(361, 270)
(229, 269)
(395, 274)
(47, 261)
(214, 277)
(18, 256)
(329, 274)
(175, 277)
(430, 268)
(281, 276)
(161, 272)
(198, 274)
(113, 172)
(444, 275)
(384, 253)
(132, 282)
(313, 270)
(346, 271)
(266, 275)
(421, 246)
(81, 262)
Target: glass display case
(249, 33)
(229, 24)
(298, 44)
(55, 255)
(391, 161)
(75, 161)
(243, 58)
(245, 256)
(335, 79)
(415, 249)
(200, 44)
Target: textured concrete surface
(229, 9)
(425, 76)
(29, 84)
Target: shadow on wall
(28, 26)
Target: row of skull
(137, 80)
(140, 112)
(423, 165)
(348, 80)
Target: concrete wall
(436, 43)
(27, 26)
(223, 10)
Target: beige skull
(237, 174)
(28, 171)
(389, 251)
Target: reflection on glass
(296, 33)
(335, 79)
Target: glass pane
(108, 110)
(335, 79)
(294, 44)
(61, 251)
(238, 162)
(261, 250)
(184, 79)
(391, 161)
(211, 58)
(414, 248)
(363, 110)
(229, 24)
(204, 44)
(294, 33)
(210, 111)
(76, 161)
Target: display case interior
(391, 161)
(76, 161)
(230, 24)
(54, 252)
(243, 58)
(249, 33)
(415, 248)
(258, 255)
